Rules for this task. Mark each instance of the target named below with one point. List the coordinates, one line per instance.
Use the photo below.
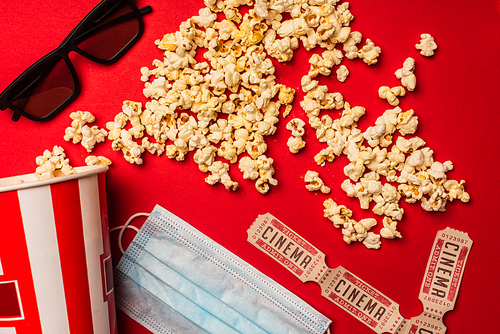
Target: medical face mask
(174, 279)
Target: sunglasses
(51, 84)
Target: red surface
(456, 100)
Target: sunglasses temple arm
(145, 10)
(15, 116)
(128, 16)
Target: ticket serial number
(437, 301)
(454, 238)
(428, 325)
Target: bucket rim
(29, 180)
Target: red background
(456, 100)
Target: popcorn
(228, 151)
(426, 45)
(351, 115)
(266, 172)
(342, 73)
(337, 214)
(133, 110)
(219, 173)
(456, 190)
(74, 132)
(369, 53)
(80, 132)
(436, 201)
(323, 64)
(409, 145)
(116, 126)
(352, 230)
(407, 122)
(296, 126)
(372, 241)
(325, 155)
(314, 182)
(249, 167)
(350, 45)
(224, 102)
(131, 150)
(281, 49)
(357, 231)
(406, 75)
(156, 89)
(92, 136)
(391, 94)
(93, 160)
(204, 157)
(52, 163)
(368, 186)
(295, 144)
(257, 146)
(389, 231)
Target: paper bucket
(55, 256)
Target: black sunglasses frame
(90, 24)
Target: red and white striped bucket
(56, 272)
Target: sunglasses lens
(109, 31)
(47, 86)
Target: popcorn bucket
(55, 256)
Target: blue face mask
(174, 279)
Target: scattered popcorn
(350, 45)
(80, 132)
(456, 190)
(391, 94)
(352, 230)
(357, 231)
(342, 73)
(74, 132)
(369, 53)
(266, 172)
(93, 160)
(426, 45)
(372, 241)
(314, 182)
(92, 136)
(52, 163)
(406, 75)
(325, 155)
(219, 173)
(287, 111)
(222, 103)
(337, 214)
(389, 230)
(295, 144)
(296, 126)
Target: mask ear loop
(125, 226)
